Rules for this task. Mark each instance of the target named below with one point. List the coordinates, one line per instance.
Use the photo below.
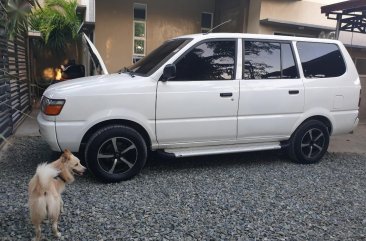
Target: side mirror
(169, 72)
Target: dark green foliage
(57, 22)
(16, 17)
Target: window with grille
(139, 31)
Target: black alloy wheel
(115, 153)
(309, 143)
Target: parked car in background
(207, 94)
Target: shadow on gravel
(247, 159)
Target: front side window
(268, 60)
(158, 57)
(212, 60)
(321, 60)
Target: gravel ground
(253, 196)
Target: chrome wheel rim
(312, 143)
(117, 155)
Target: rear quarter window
(321, 60)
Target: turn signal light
(51, 106)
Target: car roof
(204, 36)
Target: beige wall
(165, 19)
(300, 12)
(295, 11)
(254, 16)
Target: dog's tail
(45, 174)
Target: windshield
(157, 58)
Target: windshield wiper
(127, 70)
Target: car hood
(95, 56)
(92, 85)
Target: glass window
(139, 46)
(158, 57)
(214, 60)
(289, 68)
(262, 60)
(269, 60)
(206, 20)
(139, 29)
(135, 59)
(321, 60)
(139, 11)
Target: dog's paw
(58, 235)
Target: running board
(222, 149)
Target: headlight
(51, 106)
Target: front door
(200, 104)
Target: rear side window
(211, 60)
(321, 60)
(268, 60)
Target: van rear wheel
(309, 143)
(115, 153)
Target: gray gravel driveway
(253, 196)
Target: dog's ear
(66, 155)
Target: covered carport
(351, 17)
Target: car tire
(309, 142)
(115, 153)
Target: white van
(207, 94)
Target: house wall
(254, 12)
(269, 29)
(294, 11)
(234, 10)
(357, 53)
(301, 12)
(165, 19)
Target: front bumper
(48, 132)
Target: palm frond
(17, 16)
(57, 22)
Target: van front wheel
(309, 143)
(115, 153)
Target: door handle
(293, 92)
(228, 94)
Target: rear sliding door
(271, 91)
